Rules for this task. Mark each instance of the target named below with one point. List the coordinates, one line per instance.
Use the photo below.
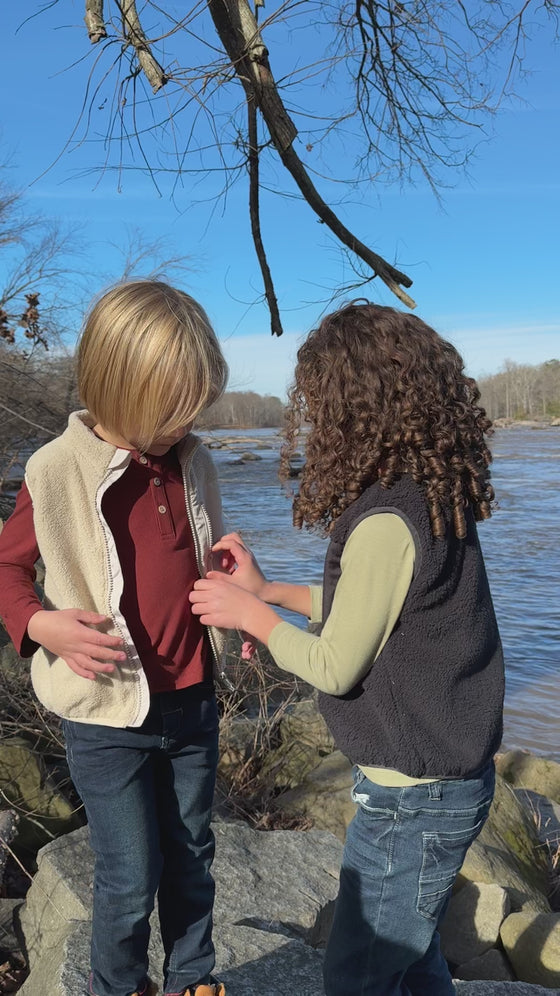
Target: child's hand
(238, 561)
(219, 601)
(71, 634)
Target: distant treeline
(243, 408)
(522, 391)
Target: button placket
(161, 503)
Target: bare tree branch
(409, 83)
(239, 32)
(134, 34)
(254, 212)
(95, 23)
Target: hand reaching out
(71, 634)
(239, 563)
(219, 601)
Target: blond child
(123, 508)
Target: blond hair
(148, 361)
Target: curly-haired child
(409, 661)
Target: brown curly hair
(385, 395)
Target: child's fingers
(103, 653)
(96, 639)
(218, 576)
(91, 618)
(81, 671)
(232, 544)
(224, 541)
(86, 667)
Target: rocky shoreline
(276, 889)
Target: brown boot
(217, 989)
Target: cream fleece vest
(67, 479)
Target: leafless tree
(34, 267)
(244, 409)
(520, 390)
(193, 92)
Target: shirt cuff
(21, 641)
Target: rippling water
(520, 544)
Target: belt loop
(435, 790)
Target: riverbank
(275, 890)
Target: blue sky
(484, 262)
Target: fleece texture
(67, 479)
(431, 703)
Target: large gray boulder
(532, 944)
(274, 898)
(492, 964)
(472, 922)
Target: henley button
(162, 509)
(157, 482)
(143, 459)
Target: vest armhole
(392, 510)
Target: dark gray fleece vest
(431, 704)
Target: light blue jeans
(148, 794)
(403, 851)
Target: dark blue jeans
(148, 795)
(403, 851)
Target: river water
(520, 544)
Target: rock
(532, 944)
(493, 964)
(296, 744)
(8, 830)
(60, 895)
(508, 852)
(9, 940)
(44, 812)
(246, 458)
(274, 898)
(472, 922)
(324, 795)
(303, 722)
(285, 880)
(501, 989)
(522, 770)
(304, 739)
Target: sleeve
(18, 554)
(377, 567)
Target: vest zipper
(218, 666)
